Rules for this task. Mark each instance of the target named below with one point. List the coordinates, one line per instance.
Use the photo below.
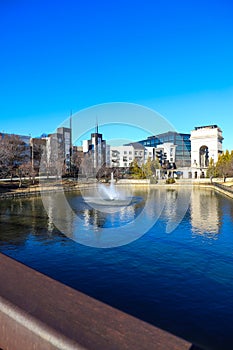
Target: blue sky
(172, 56)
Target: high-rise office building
(96, 148)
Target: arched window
(204, 156)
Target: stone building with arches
(206, 143)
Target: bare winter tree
(76, 161)
(86, 166)
(26, 170)
(13, 153)
(53, 160)
(38, 147)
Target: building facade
(59, 150)
(65, 135)
(123, 156)
(180, 140)
(167, 151)
(96, 148)
(206, 143)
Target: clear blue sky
(173, 56)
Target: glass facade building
(182, 142)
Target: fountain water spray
(109, 193)
(107, 198)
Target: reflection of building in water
(59, 214)
(86, 217)
(205, 212)
(93, 219)
(50, 208)
(170, 207)
(176, 206)
(127, 213)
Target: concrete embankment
(30, 191)
(226, 190)
(217, 184)
(35, 191)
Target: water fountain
(108, 195)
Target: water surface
(180, 281)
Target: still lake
(179, 278)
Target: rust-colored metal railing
(37, 312)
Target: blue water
(180, 281)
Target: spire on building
(71, 119)
(97, 127)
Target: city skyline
(173, 57)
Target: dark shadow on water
(195, 347)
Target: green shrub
(170, 181)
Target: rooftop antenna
(71, 148)
(97, 127)
(71, 119)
